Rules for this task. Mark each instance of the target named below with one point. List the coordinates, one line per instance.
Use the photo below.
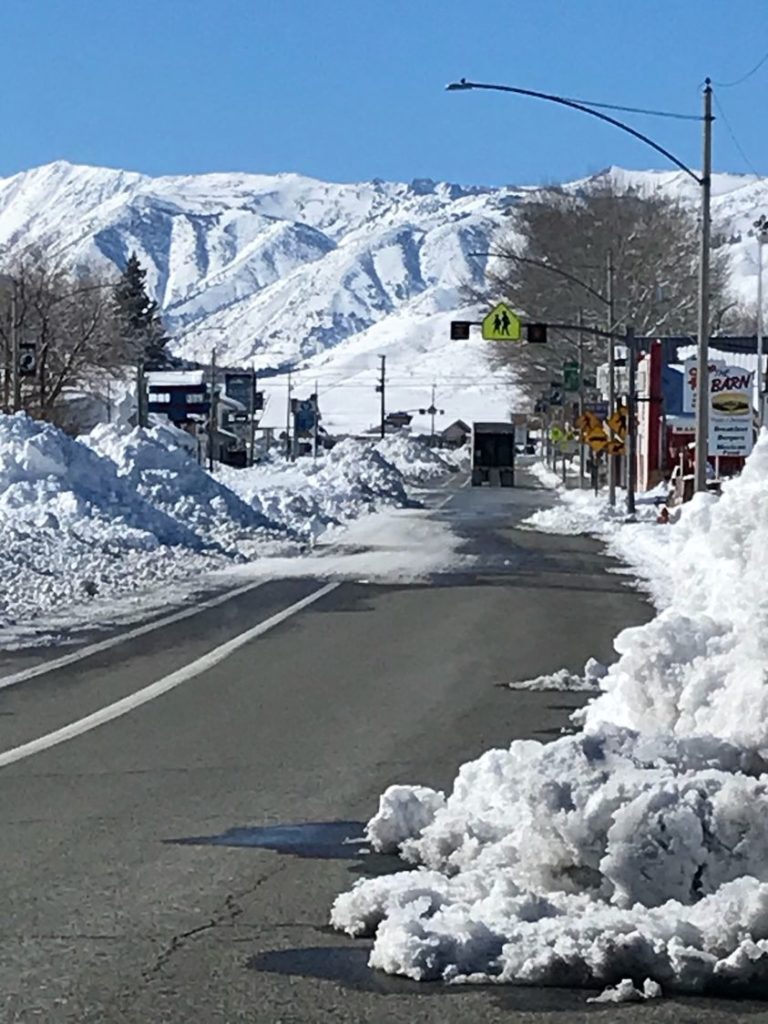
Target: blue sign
(600, 409)
(304, 415)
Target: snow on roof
(176, 378)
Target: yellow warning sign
(618, 422)
(502, 324)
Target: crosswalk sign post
(502, 324)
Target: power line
(735, 141)
(638, 110)
(738, 81)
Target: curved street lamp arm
(463, 84)
(546, 266)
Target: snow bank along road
(135, 883)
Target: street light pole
(762, 237)
(702, 370)
(705, 182)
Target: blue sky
(349, 89)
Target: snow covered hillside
(284, 269)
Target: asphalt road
(144, 878)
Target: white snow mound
(417, 462)
(634, 853)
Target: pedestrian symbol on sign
(501, 324)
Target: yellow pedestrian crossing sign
(502, 324)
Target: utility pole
(611, 374)
(433, 411)
(252, 444)
(582, 453)
(212, 414)
(288, 419)
(316, 423)
(15, 353)
(631, 424)
(381, 388)
(141, 393)
(702, 371)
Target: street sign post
(501, 324)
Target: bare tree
(74, 323)
(653, 243)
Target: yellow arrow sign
(502, 324)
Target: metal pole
(141, 404)
(316, 423)
(288, 420)
(15, 376)
(254, 384)
(432, 412)
(611, 376)
(702, 370)
(382, 386)
(759, 377)
(631, 424)
(582, 453)
(213, 413)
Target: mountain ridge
(288, 269)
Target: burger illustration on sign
(730, 403)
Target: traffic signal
(27, 359)
(536, 334)
(460, 330)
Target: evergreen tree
(141, 322)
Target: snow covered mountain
(283, 269)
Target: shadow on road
(334, 840)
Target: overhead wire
(637, 110)
(739, 81)
(742, 152)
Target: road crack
(227, 917)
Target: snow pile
(417, 462)
(126, 510)
(71, 528)
(625, 992)
(158, 465)
(634, 852)
(564, 680)
(309, 496)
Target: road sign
(571, 376)
(600, 409)
(556, 433)
(618, 422)
(502, 324)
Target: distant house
(456, 434)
